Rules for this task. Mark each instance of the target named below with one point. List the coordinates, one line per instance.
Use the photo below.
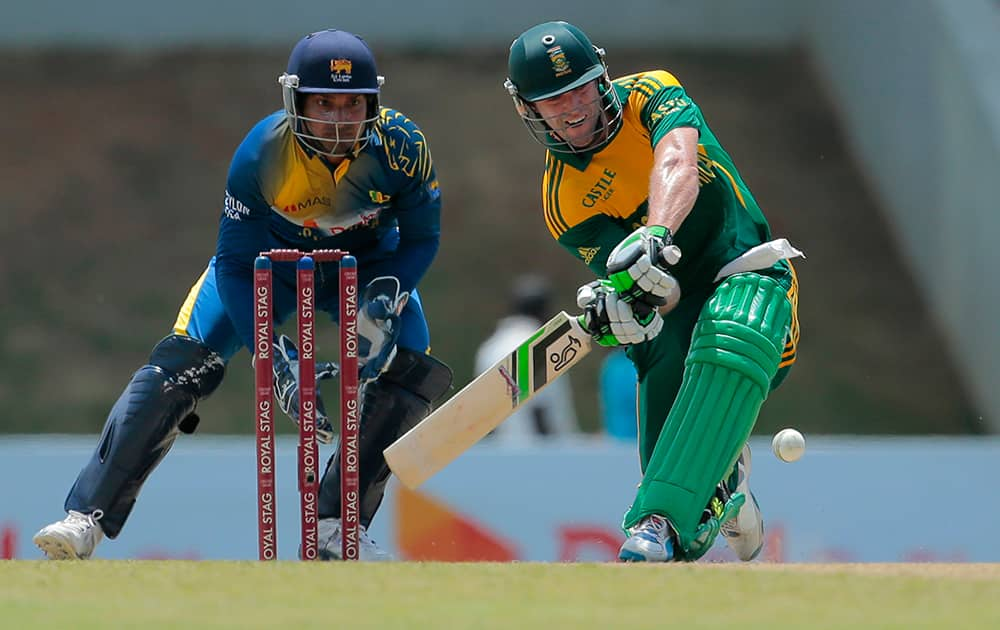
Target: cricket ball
(788, 445)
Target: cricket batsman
(690, 281)
(331, 170)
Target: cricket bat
(483, 404)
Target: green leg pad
(735, 351)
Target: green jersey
(594, 200)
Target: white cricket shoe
(330, 543)
(371, 552)
(745, 533)
(73, 538)
(329, 539)
(649, 541)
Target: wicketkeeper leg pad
(391, 405)
(735, 351)
(157, 404)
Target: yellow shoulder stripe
(644, 85)
(550, 196)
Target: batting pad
(735, 351)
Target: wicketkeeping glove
(379, 326)
(638, 267)
(612, 321)
(286, 386)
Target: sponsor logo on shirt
(668, 107)
(327, 225)
(601, 190)
(234, 208)
(306, 204)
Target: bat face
(541, 358)
(487, 401)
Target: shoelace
(656, 525)
(730, 529)
(364, 539)
(83, 522)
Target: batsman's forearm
(673, 189)
(673, 182)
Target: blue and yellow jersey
(594, 200)
(383, 206)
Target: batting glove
(637, 267)
(612, 321)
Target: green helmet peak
(553, 58)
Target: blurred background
(869, 133)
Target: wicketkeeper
(331, 170)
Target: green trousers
(718, 356)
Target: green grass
(172, 594)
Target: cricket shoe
(73, 538)
(330, 536)
(745, 533)
(649, 541)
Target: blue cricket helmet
(335, 62)
(330, 62)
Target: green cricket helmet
(553, 58)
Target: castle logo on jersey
(601, 190)
(340, 70)
(560, 64)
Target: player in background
(550, 413)
(332, 169)
(616, 393)
(637, 187)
